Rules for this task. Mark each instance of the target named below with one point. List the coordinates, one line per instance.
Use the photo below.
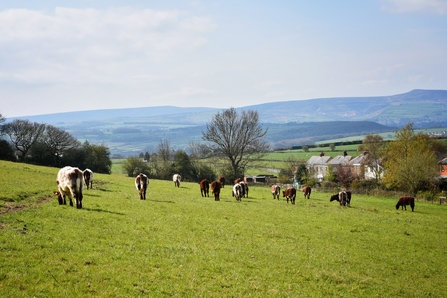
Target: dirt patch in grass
(14, 207)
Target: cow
(306, 191)
(142, 183)
(290, 193)
(70, 183)
(404, 201)
(244, 186)
(176, 178)
(222, 181)
(204, 188)
(343, 197)
(88, 178)
(237, 191)
(276, 190)
(215, 188)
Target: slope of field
(177, 243)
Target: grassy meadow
(177, 243)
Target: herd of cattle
(70, 182)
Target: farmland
(179, 244)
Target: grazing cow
(204, 188)
(404, 201)
(142, 183)
(215, 188)
(88, 177)
(307, 191)
(237, 191)
(343, 197)
(290, 193)
(222, 181)
(244, 186)
(276, 190)
(70, 183)
(176, 178)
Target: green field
(178, 244)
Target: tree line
(47, 145)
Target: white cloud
(89, 45)
(407, 6)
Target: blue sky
(58, 56)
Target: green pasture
(179, 244)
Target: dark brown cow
(204, 188)
(404, 201)
(244, 186)
(290, 193)
(88, 177)
(347, 196)
(307, 191)
(276, 191)
(222, 181)
(215, 188)
(142, 183)
(343, 197)
(70, 183)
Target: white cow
(176, 178)
(70, 183)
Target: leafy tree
(302, 174)
(410, 163)
(374, 145)
(182, 165)
(305, 148)
(134, 165)
(97, 158)
(6, 151)
(147, 156)
(238, 137)
(23, 135)
(332, 147)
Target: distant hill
(290, 123)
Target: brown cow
(307, 191)
(215, 188)
(222, 181)
(88, 177)
(70, 183)
(290, 193)
(142, 183)
(404, 201)
(276, 190)
(204, 188)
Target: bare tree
(23, 135)
(239, 137)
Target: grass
(177, 243)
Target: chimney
(345, 153)
(321, 154)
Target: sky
(61, 56)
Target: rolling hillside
(290, 123)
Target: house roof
(318, 160)
(358, 160)
(340, 160)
